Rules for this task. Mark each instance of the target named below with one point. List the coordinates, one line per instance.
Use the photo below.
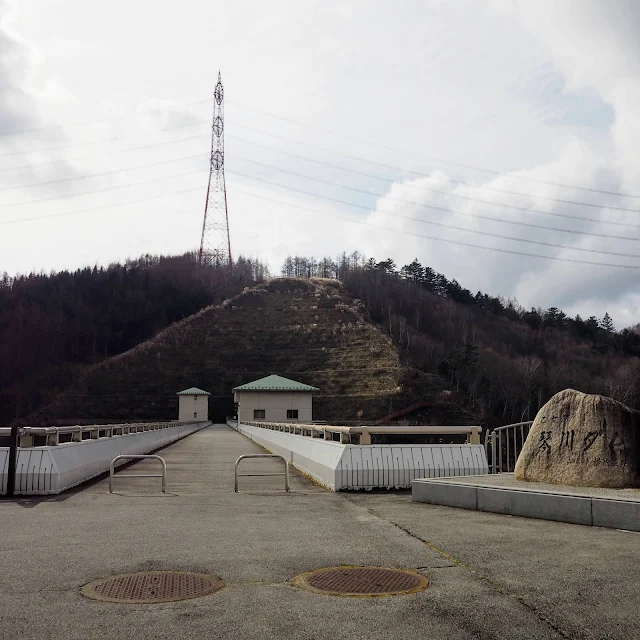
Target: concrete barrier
(585, 506)
(52, 469)
(317, 458)
(343, 466)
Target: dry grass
(311, 331)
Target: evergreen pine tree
(607, 323)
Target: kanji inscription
(583, 440)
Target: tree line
(506, 360)
(53, 325)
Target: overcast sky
(401, 100)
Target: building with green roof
(274, 399)
(193, 405)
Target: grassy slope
(311, 331)
(305, 330)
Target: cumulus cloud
(594, 50)
(24, 128)
(595, 45)
(551, 96)
(17, 55)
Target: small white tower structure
(193, 405)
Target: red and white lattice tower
(215, 245)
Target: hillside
(372, 337)
(504, 360)
(310, 330)
(52, 326)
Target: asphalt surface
(491, 576)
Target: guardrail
(503, 446)
(53, 436)
(163, 475)
(362, 434)
(342, 467)
(262, 455)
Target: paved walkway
(491, 576)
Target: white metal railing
(262, 455)
(504, 444)
(163, 475)
(362, 434)
(78, 433)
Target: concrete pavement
(490, 576)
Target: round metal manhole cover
(362, 581)
(150, 587)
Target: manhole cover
(150, 587)
(362, 581)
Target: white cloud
(545, 90)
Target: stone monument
(582, 440)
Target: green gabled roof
(193, 391)
(275, 383)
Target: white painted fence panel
(345, 466)
(35, 471)
(50, 470)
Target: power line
(423, 175)
(363, 191)
(116, 152)
(99, 207)
(446, 240)
(328, 198)
(366, 160)
(104, 189)
(435, 159)
(91, 175)
(5, 134)
(418, 204)
(361, 159)
(496, 235)
(446, 193)
(302, 124)
(94, 142)
(455, 242)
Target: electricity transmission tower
(215, 245)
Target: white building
(193, 405)
(274, 399)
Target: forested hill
(505, 359)
(53, 326)
(308, 330)
(500, 361)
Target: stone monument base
(502, 493)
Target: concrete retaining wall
(50, 470)
(582, 509)
(344, 466)
(317, 458)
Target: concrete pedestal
(502, 493)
